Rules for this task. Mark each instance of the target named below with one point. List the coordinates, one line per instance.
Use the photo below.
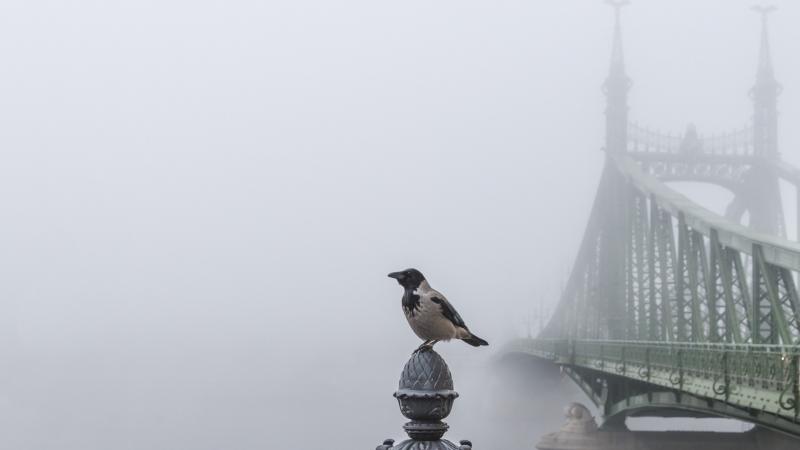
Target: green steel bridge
(670, 309)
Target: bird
(429, 314)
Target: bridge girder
(655, 266)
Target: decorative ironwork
(644, 142)
(425, 396)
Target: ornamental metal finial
(425, 395)
(618, 4)
(763, 9)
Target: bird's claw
(423, 348)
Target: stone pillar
(425, 396)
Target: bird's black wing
(447, 310)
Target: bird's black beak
(397, 276)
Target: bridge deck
(746, 381)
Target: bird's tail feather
(475, 341)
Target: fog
(201, 201)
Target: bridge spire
(763, 191)
(765, 94)
(617, 54)
(616, 89)
(611, 273)
(765, 71)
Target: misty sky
(201, 200)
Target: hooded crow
(429, 313)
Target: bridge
(670, 309)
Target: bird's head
(409, 278)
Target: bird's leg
(425, 346)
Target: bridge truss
(671, 309)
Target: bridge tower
(610, 268)
(761, 192)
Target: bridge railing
(643, 140)
(763, 376)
